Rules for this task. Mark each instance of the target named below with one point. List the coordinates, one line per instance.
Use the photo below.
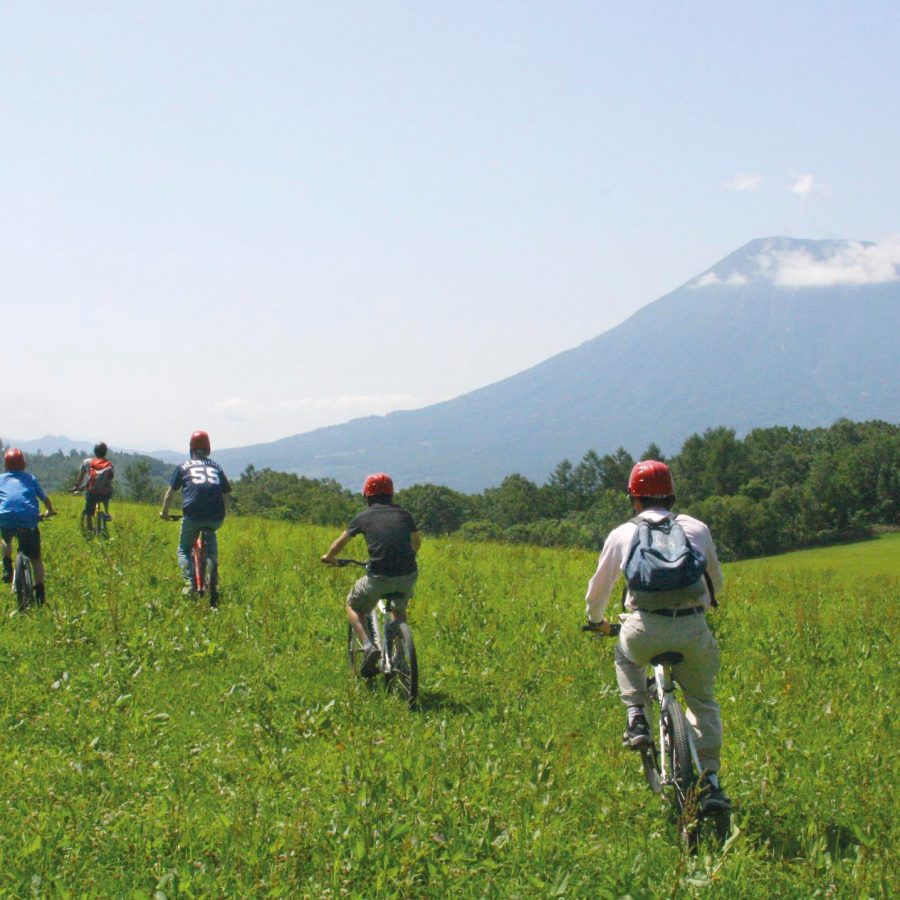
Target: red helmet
(200, 441)
(378, 484)
(14, 460)
(651, 478)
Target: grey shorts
(368, 590)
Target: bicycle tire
(198, 558)
(102, 527)
(683, 779)
(403, 677)
(650, 763)
(24, 579)
(211, 581)
(650, 755)
(355, 650)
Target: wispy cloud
(803, 185)
(743, 181)
(235, 409)
(735, 279)
(849, 263)
(353, 404)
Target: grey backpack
(663, 568)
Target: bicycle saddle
(670, 656)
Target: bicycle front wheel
(403, 676)
(24, 579)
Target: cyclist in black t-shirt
(393, 540)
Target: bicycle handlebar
(593, 628)
(340, 563)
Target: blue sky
(261, 218)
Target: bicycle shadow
(439, 701)
(782, 839)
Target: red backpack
(100, 476)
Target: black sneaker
(7, 570)
(712, 799)
(637, 734)
(370, 661)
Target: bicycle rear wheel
(102, 519)
(24, 581)
(198, 574)
(680, 766)
(404, 667)
(355, 652)
(211, 581)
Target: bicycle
(204, 571)
(23, 573)
(101, 512)
(394, 641)
(670, 762)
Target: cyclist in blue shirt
(203, 505)
(19, 514)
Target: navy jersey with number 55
(203, 482)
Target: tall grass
(153, 747)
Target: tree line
(138, 477)
(776, 489)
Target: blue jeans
(190, 528)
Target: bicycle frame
(670, 761)
(662, 684)
(23, 570)
(382, 611)
(100, 517)
(391, 637)
(199, 556)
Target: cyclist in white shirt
(679, 625)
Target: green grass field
(151, 747)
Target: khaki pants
(368, 590)
(643, 636)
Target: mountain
(782, 331)
(51, 443)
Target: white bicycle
(670, 761)
(394, 641)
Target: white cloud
(235, 409)
(707, 279)
(743, 181)
(849, 263)
(844, 262)
(354, 404)
(803, 185)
